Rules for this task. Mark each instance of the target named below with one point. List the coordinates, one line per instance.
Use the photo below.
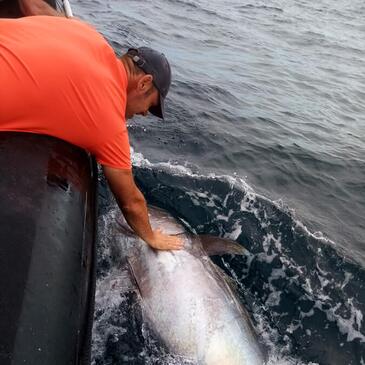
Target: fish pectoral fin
(123, 225)
(120, 280)
(220, 246)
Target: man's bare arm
(133, 205)
(37, 7)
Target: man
(60, 77)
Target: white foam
(345, 325)
(348, 277)
(277, 360)
(235, 232)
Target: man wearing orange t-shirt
(72, 86)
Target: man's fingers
(177, 243)
(167, 242)
(173, 245)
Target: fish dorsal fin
(220, 246)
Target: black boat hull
(47, 247)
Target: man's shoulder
(62, 29)
(79, 27)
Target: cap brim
(158, 110)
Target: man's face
(141, 97)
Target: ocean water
(264, 143)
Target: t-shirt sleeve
(115, 152)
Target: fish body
(189, 302)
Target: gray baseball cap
(154, 63)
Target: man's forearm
(136, 215)
(37, 7)
(134, 207)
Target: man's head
(149, 79)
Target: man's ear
(145, 83)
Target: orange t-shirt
(60, 77)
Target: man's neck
(126, 65)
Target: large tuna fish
(189, 301)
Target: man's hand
(37, 7)
(161, 241)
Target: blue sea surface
(264, 142)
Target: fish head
(158, 219)
(165, 221)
